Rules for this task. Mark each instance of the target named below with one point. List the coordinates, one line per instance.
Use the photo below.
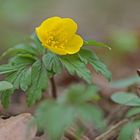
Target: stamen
(57, 40)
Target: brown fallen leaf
(17, 128)
(136, 135)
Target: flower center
(57, 38)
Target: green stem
(54, 91)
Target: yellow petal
(57, 50)
(69, 26)
(46, 26)
(59, 30)
(50, 23)
(41, 34)
(74, 45)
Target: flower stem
(54, 91)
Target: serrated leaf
(39, 82)
(16, 83)
(129, 99)
(36, 67)
(100, 67)
(52, 63)
(47, 117)
(12, 76)
(133, 111)
(128, 130)
(95, 43)
(15, 77)
(4, 85)
(25, 81)
(7, 68)
(78, 94)
(5, 97)
(28, 56)
(87, 56)
(92, 114)
(26, 49)
(38, 44)
(21, 60)
(74, 66)
(48, 113)
(19, 49)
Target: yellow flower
(59, 35)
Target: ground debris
(17, 128)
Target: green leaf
(128, 130)
(16, 82)
(19, 49)
(7, 68)
(11, 77)
(78, 94)
(67, 109)
(27, 49)
(4, 85)
(129, 99)
(74, 66)
(100, 67)
(5, 97)
(36, 67)
(92, 114)
(38, 46)
(52, 63)
(95, 43)
(25, 80)
(15, 77)
(87, 56)
(123, 83)
(21, 60)
(55, 118)
(28, 56)
(39, 83)
(133, 111)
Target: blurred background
(115, 22)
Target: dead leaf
(17, 128)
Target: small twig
(54, 92)
(89, 130)
(116, 128)
(117, 114)
(70, 134)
